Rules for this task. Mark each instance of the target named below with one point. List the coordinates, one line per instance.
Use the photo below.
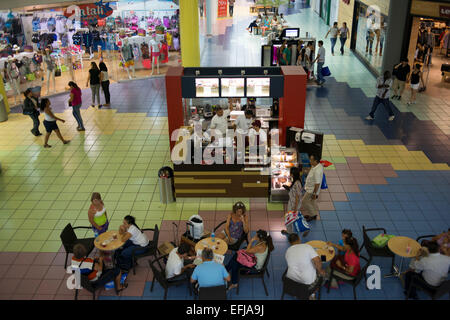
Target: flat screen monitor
(292, 33)
(258, 87)
(206, 87)
(232, 87)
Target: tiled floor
(392, 175)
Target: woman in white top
(50, 122)
(104, 81)
(135, 243)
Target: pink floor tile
(331, 173)
(258, 200)
(257, 214)
(36, 272)
(341, 166)
(389, 174)
(348, 180)
(258, 206)
(341, 196)
(208, 225)
(43, 297)
(8, 286)
(25, 258)
(55, 273)
(351, 188)
(378, 180)
(344, 173)
(326, 206)
(385, 166)
(165, 236)
(135, 288)
(371, 166)
(28, 296)
(60, 258)
(44, 258)
(149, 275)
(259, 224)
(335, 188)
(207, 215)
(373, 173)
(18, 271)
(4, 268)
(141, 271)
(5, 296)
(7, 257)
(360, 173)
(332, 181)
(352, 160)
(28, 286)
(324, 197)
(276, 225)
(275, 214)
(49, 287)
(356, 166)
(167, 224)
(221, 215)
(63, 290)
(362, 180)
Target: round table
(218, 247)
(399, 246)
(110, 247)
(323, 249)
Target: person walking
(30, 108)
(94, 81)
(231, 6)
(75, 103)
(344, 34)
(416, 78)
(312, 188)
(50, 122)
(333, 36)
(401, 76)
(104, 80)
(320, 58)
(383, 92)
(200, 5)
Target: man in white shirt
(384, 84)
(320, 58)
(244, 122)
(220, 122)
(304, 264)
(175, 266)
(312, 187)
(432, 269)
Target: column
(3, 93)
(189, 33)
(211, 5)
(395, 33)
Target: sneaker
(66, 142)
(92, 106)
(81, 129)
(284, 233)
(394, 96)
(391, 118)
(399, 97)
(369, 117)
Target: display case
(281, 164)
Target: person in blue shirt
(346, 233)
(210, 273)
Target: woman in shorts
(50, 122)
(416, 78)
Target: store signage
(444, 11)
(222, 7)
(90, 11)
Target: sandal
(66, 142)
(47, 146)
(233, 286)
(125, 285)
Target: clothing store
(45, 49)
(429, 41)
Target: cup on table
(115, 236)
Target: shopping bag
(290, 217)
(326, 72)
(30, 76)
(381, 240)
(58, 72)
(301, 225)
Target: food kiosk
(194, 94)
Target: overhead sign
(444, 11)
(222, 8)
(90, 11)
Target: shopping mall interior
(171, 66)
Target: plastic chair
(299, 290)
(151, 249)
(69, 239)
(374, 251)
(260, 274)
(236, 246)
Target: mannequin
(155, 46)
(50, 68)
(127, 55)
(12, 73)
(68, 62)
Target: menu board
(207, 87)
(258, 87)
(232, 87)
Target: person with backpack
(75, 103)
(30, 108)
(383, 92)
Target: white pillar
(211, 12)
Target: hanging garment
(169, 39)
(51, 24)
(176, 43)
(166, 22)
(77, 38)
(136, 52)
(127, 52)
(145, 51)
(60, 25)
(35, 24)
(35, 38)
(164, 58)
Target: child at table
(346, 233)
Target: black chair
(424, 237)
(434, 292)
(86, 284)
(299, 290)
(212, 293)
(355, 280)
(236, 246)
(69, 239)
(159, 274)
(374, 251)
(151, 249)
(243, 273)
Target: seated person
(178, 267)
(346, 266)
(135, 243)
(275, 24)
(346, 233)
(236, 225)
(209, 273)
(304, 264)
(93, 268)
(443, 240)
(255, 23)
(432, 269)
(283, 20)
(260, 250)
(265, 24)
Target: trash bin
(3, 113)
(166, 187)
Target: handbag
(246, 259)
(58, 72)
(381, 240)
(290, 217)
(326, 72)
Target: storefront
(276, 97)
(328, 10)
(134, 40)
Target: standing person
(416, 78)
(382, 35)
(286, 55)
(94, 81)
(200, 5)
(50, 122)
(51, 69)
(309, 54)
(384, 87)
(312, 188)
(231, 6)
(333, 36)
(104, 80)
(320, 62)
(401, 76)
(97, 215)
(135, 243)
(344, 34)
(75, 102)
(30, 108)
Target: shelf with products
(282, 160)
